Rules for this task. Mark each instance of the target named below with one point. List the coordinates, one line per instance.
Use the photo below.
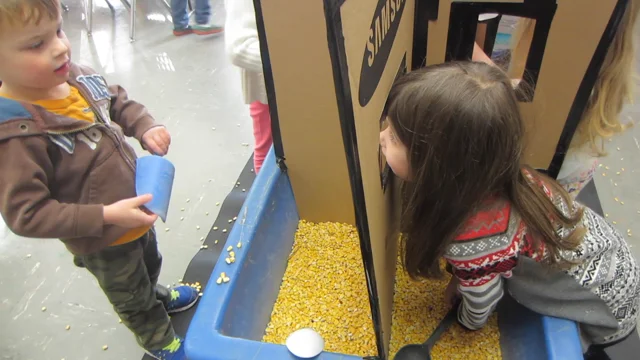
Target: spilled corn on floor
(324, 288)
(418, 308)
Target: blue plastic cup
(154, 175)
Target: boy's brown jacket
(57, 172)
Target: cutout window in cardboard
(463, 25)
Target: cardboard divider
(374, 47)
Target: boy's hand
(128, 214)
(157, 140)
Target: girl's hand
(157, 140)
(128, 214)
(451, 294)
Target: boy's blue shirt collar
(11, 109)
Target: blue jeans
(180, 13)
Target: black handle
(445, 323)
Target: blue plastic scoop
(154, 175)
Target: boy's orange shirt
(76, 106)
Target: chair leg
(89, 15)
(132, 21)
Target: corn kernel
(325, 306)
(239, 245)
(219, 281)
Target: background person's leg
(203, 11)
(180, 16)
(203, 15)
(261, 132)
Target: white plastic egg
(305, 343)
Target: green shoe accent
(174, 346)
(207, 29)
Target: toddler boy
(67, 172)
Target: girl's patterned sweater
(495, 251)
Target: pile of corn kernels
(418, 307)
(324, 288)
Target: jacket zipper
(96, 111)
(74, 131)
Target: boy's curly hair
(20, 12)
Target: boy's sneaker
(173, 351)
(206, 29)
(184, 31)
(182, 298)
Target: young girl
(455, 135)
(243, 48)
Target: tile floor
(190, 86)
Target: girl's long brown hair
(464, 135)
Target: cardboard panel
(563, 67)
(307, 109)
(378, 40)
